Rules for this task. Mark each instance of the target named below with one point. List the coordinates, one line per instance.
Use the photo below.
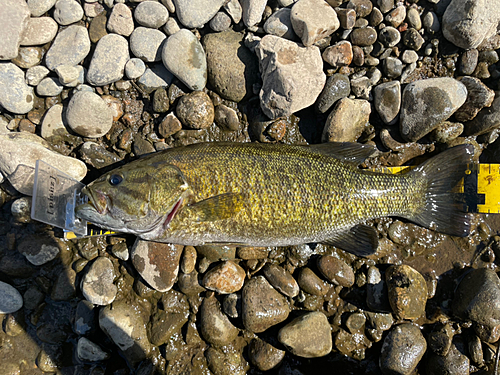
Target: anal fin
(219, 207)
(361, 240)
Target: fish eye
(115, 179)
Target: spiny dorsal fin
(219, 207)
(361, 240)
(350, 152)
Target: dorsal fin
(350, 152)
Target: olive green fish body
(270, 195)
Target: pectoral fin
(361, 240)
(219, 207)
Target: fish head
(137, 198)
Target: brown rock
(225, 278)
(338, 55)
(195, 110)
(336, 270)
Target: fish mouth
(172, 213)
(97, 199)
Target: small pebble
(151, 14)
(195, 110)
(88, 115)
(225, 278)
(264, 356)
(281, 280)
(120, 20)
(336, 271)
(10, 299)
(67, 12)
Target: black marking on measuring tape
(471, 197)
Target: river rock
(151, 14)
(339, 54)
(120, 20)
(477, 298)
(486, 120)
(281, 279)
(147, 44)
(292, 76)
(313, 20)
(225, 278)
(123, 323)
(14, 19)
(67, 12)
(39, 7)
(53, 122)
(97, 284)
(336, 270)
(109, 59)
(65, 286)
(226, 361)
(49, 86)
(387, 98)
(69, 47)
(310, 283)
(215, 326)
(233, 8)
(407, 291)
(347, 120)
(155, 77)
(196, 13)
(195, 110)
(184, 56)
(220, 22)
(307, 336)
(467, 23)
(402, 350)
(263, 355)
(337, 87)
(88, 115)
(426, 103)
(232, 68)
(252, 11)
(88, 351)
(134, 68)
(157, 263)
(262, 306)
(39, 249)
(226, 118)
(10, 299)
(20, 151)
(453, 363)
(28, 57)
(39, 31)
(19, 97)
(35, 74)
(280, 24)
(478, 97)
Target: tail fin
(441, 211)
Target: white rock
(68, 73)
(20, 151)
(49, 86)
(70, 47)
(233, 8)
(39, 31)
(252, 11)
(151, 14)
(53, 123)
(10, 299)
(147, 43)
(292, 76)
(196, 13)
(19, 96)
(88, 115)
(35, 74)
(67, 12)
(183, 55)
(313, 20)
(97, 284)
(39, 7)
(134, 68)
(171, 27)
(109, 59)
(14, 16)
(120, 21)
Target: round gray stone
(184, 56)
(97, 284)
(19, 97)
(279, 24)
(337, 87)
(387, 97)
(67, 12)
(39, 7)
(147, 44)
(109, 59)
(70, 47)
(313, 20)
(49, 86)
(220, 22)
(154, 77)
(121, 21)
(88, 115)
(10, 299)
(39, 31)
(196, 13)
(134, 68)
(151, 14)
(35, 74)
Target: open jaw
(97, 199)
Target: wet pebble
(67, 12)
(363, 36)
(402, 350)
(14, 20)
(478, 97)
(65, 286)
(108, 61)
(440, 339)
(97, 284)
(446, 132)
(396, 16)
(123, 323)
(347, 120)
(88, 115)
(184, 56)
(226, 361)
(336, 271)
(19, 99)
(361, 87)
(281, 279)
(196, 13)
(407, 291)
(263, 355)
(292, 76)
(226, 118)
(468, 61)
(96, 155)
(387, 100)
(32, 298)
(279, 24)
(412, 39)
(215, 326)
(147, 44)
(120, 20)
(89, 351)
(392, 67)
(262, 305)
(232, 68)
(307, 336)
(169, 125)
(428, 102)
(474, 296)
(310, 283)
(151, 14)
(21, 210)
(339, 54)
(195, 110)
(337, 87)
(453, 363)
(313, 20)
(225, 278)
(486, 120)
(347, 18)
(10, 299)
(70, 46)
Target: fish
(257, 194)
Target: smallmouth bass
(273, 195)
